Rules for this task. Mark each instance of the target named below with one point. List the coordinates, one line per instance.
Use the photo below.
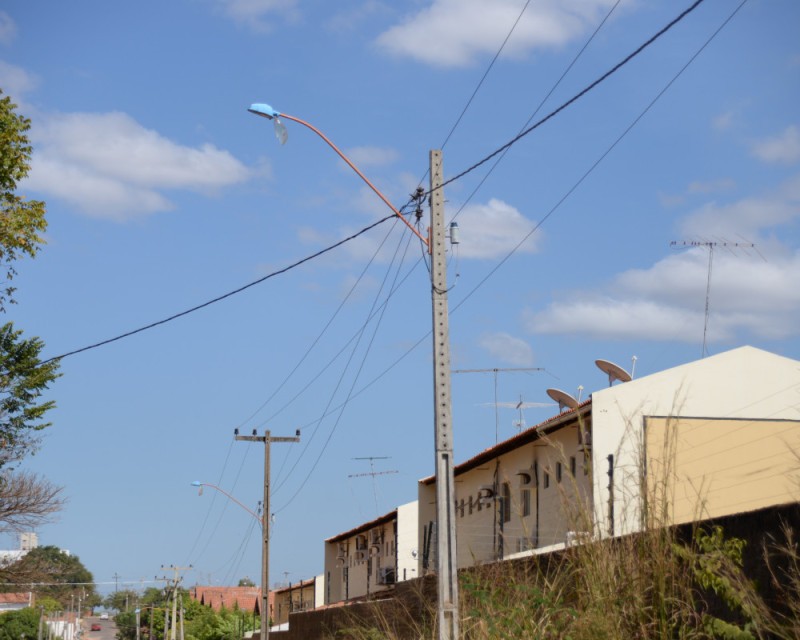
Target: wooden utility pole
(267, 439)
(447, 565)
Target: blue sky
(163, 192)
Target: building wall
(744, 383)
(406, 541)
(708, 468)
(355, 566)
(534, 480)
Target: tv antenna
(711, 246)
(520, 424)
(496, 371)
(373, 473)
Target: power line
(541, 104)
(577, 96)
(226, 295)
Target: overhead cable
(226, 295)
(577, 96)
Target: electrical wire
(577, 96)
(425, 336)
(324, 329)
(539, 107)
(224, 296)
(538, 225)
(364, 326)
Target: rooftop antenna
(614, 372)
(520, 424)
(495, 371)
(633, 365)
(373, 473)
(564, 400)
(711, 246)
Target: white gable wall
(741, 383)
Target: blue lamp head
(263, 110)
(268, 112)
(197, 483)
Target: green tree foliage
(23, 379)
(64, 574)
(16, 623)
(246, 582)
(125, 600)
(21, 221)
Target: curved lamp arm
(268, 112)
(197, 483)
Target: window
(546, 480)
(506, 504)
(572, 465)
(470, 505)
(558, 472)
(525, 500)
(461, 508)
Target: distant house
(370, 558)
(15, 601)
(303, 596)
(243, 598)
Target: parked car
(95, 627)
(104, 616)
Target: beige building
(303, 596)
(715, 437)
(528, 492)
(370, 558)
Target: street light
(268, 112)
(447, 559)
(264, 549)
(197, 483)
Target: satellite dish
(563, 399)
(614, 372)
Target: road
(108, 630)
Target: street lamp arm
(197, 483)
(268, 112)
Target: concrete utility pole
(176, 581)
(447, 565)
(267, 439)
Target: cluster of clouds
(749, 294)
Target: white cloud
(715, 186)
(725, 121)
(368, 156)
(252, 13)
(506, 348)
(452, 33)
(748, 216)
(604, 317)
(15, 81)
(782, 149)
(110, 166)
(8, 29)
(492, 230)
(667, 301)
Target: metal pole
(447, 567)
